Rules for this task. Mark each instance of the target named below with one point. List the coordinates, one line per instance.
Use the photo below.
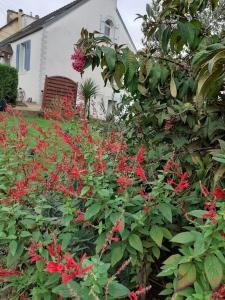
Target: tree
(89, 90)
(173, 85)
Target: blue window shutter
(17, 57)
(27, 55)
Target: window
(111, 107)
(23, 52)
(108, 28)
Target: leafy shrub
(8, 83)
(174, 105)
(83, 216)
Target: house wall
(9, 29)
(28, 80)
(63, 34)
(51, 50)
(16, 22)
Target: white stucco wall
(29, 80)
(90, 16)
(51, 49)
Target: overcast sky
(127, 8)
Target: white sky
(127, 8)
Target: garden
(133, 208)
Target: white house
(45, 46)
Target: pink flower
(78, 59)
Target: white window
(108, 28)
(23, 53)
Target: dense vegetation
(97, 214)
(8, 83)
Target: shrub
(83, 216)
(8, 83)
(174, 105)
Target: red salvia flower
(124, 182)
(54, 249)
(139, 157)
(220, 294)
(204, 190)
(133, 295)
(68, 270)
(118, 226)
(219, 193)
(55, 267)
(80, 216)
(32, 251)
(211, 214)
(140, 173)
(7, 273)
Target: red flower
(140, 173)
(140, 155)
(8, 273)
(54, 249)
(204, 190)
(211, 214)
(133, 296)
(124, 182)
(55, 267)
(80, 216)
(220, 294)
(32, 251)
(78, 59)
(68, 270)
(219, 193)
(118, 226)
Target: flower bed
(84, 217)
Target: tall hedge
(8, 83)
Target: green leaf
(119, 72)
(132, 65)
(66, 240)
(213, 270)
(25, 234)
(156, 234)
(116, 254)
(84, 190)
(173, 88)
(93, 210)
(117, 290)
(165, 38)
(69, 290)
(197, 213)
(110, 56)
(183, 238)
(136, 242)
(13, 247)
(187, 276)
(166, 211)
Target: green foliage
(88, 90)
(174, 104)
(8, 83)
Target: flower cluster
(220, 294)
(78, 59)
(65, 265)
(175, 176)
